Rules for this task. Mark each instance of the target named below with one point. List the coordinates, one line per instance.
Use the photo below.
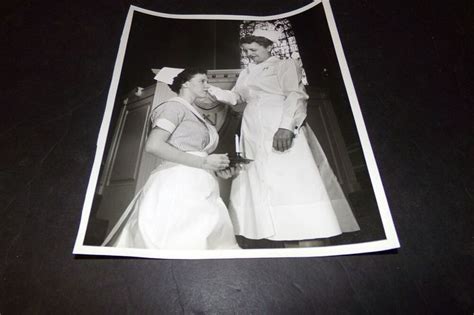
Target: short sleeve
(168, 116)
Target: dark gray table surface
(411, 64)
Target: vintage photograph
(233, 137)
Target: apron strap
(213, 135)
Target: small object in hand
(237, 158)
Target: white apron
(179, 207)
(283, 195)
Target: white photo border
(391, 241)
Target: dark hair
(184, 77)
(262, 41)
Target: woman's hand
(229, 172)
(216, 162)
(283, 139)
(211, 96)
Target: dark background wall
(161, 42)
(411, 66)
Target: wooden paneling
(123, 169)
(130, 144)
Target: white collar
(269, 60)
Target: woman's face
(198, 85)
(257, 52)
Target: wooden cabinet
(127, 165)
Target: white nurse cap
(167, 75)
(268, 34)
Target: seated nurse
(179, 207)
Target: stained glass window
(285, 49)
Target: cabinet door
(123, 168)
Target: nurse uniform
(179, 206)
(291, 195)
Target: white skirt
(291, 195)
(178, 208)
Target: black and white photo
(230, 136)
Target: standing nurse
(284, 194)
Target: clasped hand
(219, 163)
(283, 139)
(229, 172)
(216, 162)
